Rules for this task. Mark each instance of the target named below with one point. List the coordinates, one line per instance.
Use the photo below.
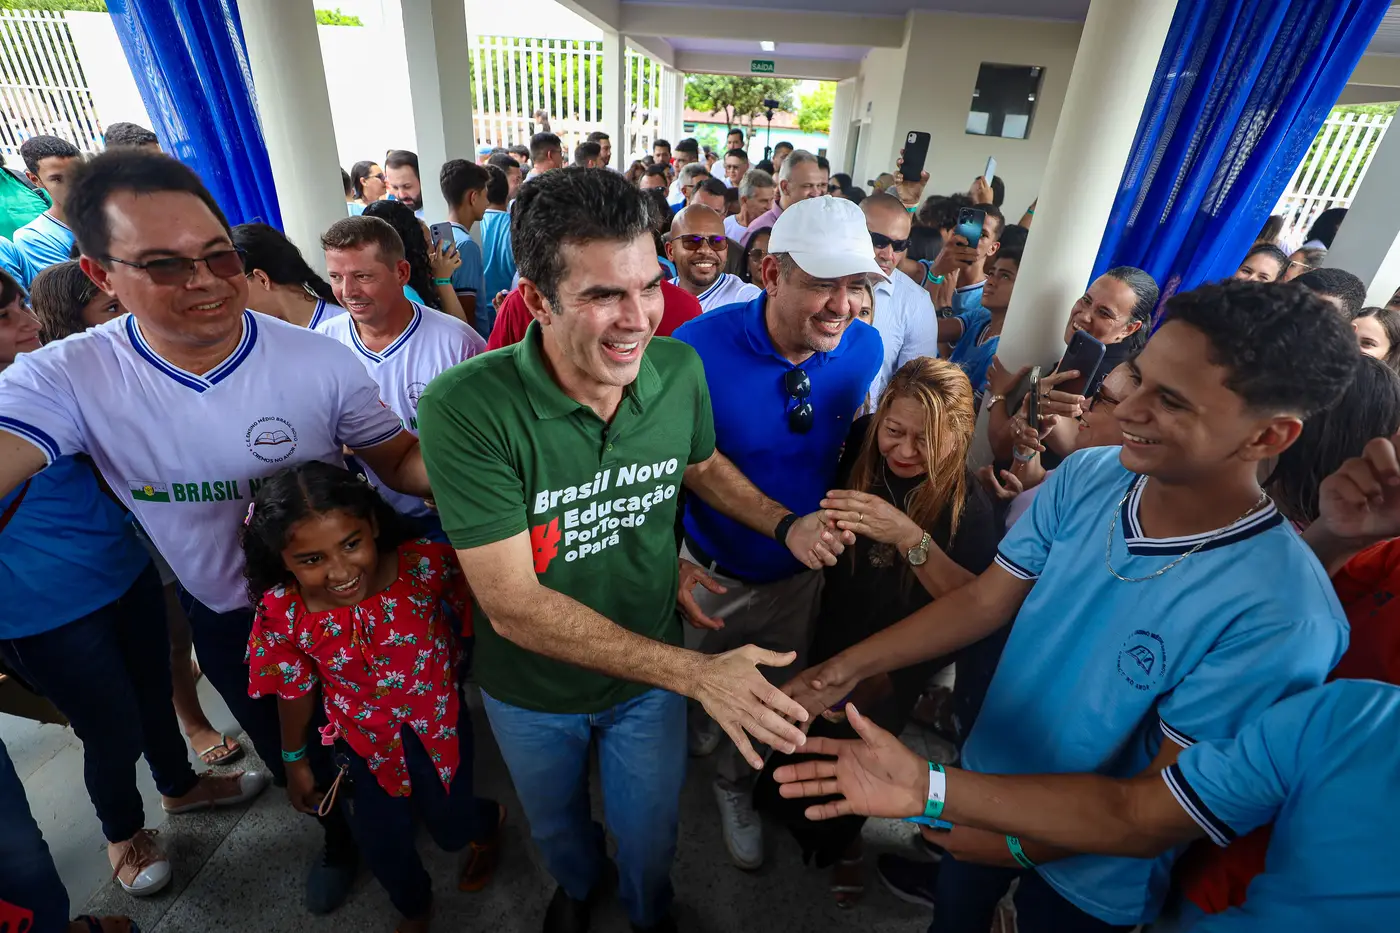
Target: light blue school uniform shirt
(12, 260)
(470, 276)
(974, 355)
(354, 208)
(43, 242)
(412, 295)
(1097, 671)
(1324, 767)
(67, 551)
(499, 258)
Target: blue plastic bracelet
(1018, 853)
(297, 755)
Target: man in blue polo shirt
(46, 240)
(787, 372)
(1159, 599)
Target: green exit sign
(761, 66)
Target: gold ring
(861, 517)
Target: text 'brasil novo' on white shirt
(186, 453)
(432, 343)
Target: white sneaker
(702, 735)
(138, 865)
(742, 828)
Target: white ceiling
(1040, 9)
(849, 53)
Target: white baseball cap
(826, 237)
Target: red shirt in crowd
(513, 317)
(386, 662)
(1216, 879)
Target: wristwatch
(989, 400)
(917, 554)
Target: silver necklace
(1113, 525)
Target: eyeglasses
(693, 241)
(1103, 398)
(798, 388)
(378, 175)
(178, 270)
(881, 241)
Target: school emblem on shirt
(143, 491)
(415, 392)
(1143, 659)
(271, 439)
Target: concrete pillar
(294, 108)
(615, 96)
(1368, 243)
(673, 106)
(843, 111)
(440, 90)
(1113, 70)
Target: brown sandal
(230, 751)
(482, 858)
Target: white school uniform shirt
(908, 326)
(186, 453)
(323, 313)
(728, 289)
(431, 343)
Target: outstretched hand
(738, 697)
(1361, 501)
(816, 541)
(874, 775)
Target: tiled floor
(241, 870)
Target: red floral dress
(386, 662)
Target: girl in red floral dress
(347, 604)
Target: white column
(842, 113)
(440, 91)
(1368, 243)
(615, 96)
(673, 105)
(294, 109)
(1113, 70)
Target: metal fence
(43, 90)
(1331, 172)
(525, 85)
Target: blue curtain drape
(1240, 92)
(191, 66)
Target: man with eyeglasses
(736, 163)
(185, 405)
(699, 249)
(800, 177)
(904, 313)
(787, 372)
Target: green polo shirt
(507, 451)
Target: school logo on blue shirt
(271, 439)
(1142, 659)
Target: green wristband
(933, 804)
(297, 755)
(442, 281)
(1018, 853)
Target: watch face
(917, 555)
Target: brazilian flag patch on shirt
(149, 492)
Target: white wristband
(937, 791)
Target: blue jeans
(967, 895)
(641, 759)
(384, 825)
(109, 673)
(30, 889)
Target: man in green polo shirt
(556, 465)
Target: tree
(56, 6)
(336, 18)
(741, 99)
(814, 110)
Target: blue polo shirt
(67, 551)
(1098, 672)
(500, 263)
(43, 242)
(11, 260)
(746, 378)
(1324, 767)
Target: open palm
(1361, 500)
(874, 775)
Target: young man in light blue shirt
(1158, 599)
(464, 189)
(496, 249)
(46, 240)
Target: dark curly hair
(1369, 407)
(298, 492)
(1348, 290)
(415, 247)
(1284, 348)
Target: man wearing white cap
(787, 372)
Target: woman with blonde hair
(924, 527)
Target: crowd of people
(676, 461)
